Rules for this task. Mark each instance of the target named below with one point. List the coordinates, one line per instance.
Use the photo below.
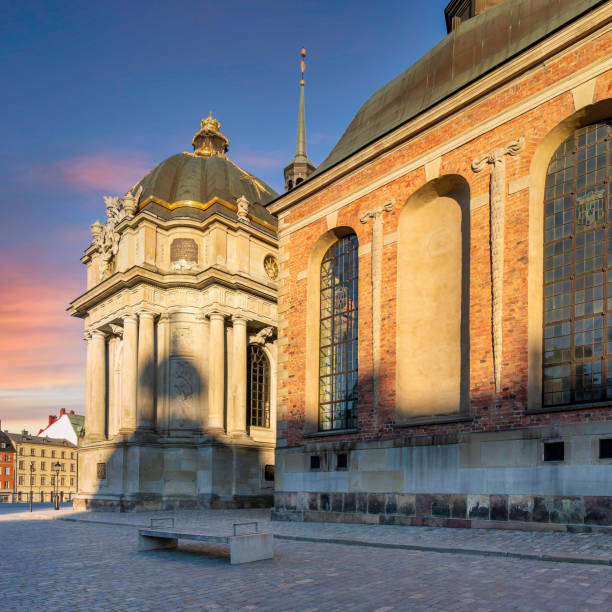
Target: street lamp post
(31, 482)
(56, 467)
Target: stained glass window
(338, 336)
(577, 281)
(258, 396)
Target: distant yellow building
(38, 462)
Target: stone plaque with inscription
(184, 249)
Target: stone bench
(244, 548)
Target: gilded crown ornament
(209, 140)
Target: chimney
(72, 412)
(51, 420)
(62, 411)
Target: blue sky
(95, 94)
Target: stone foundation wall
(144, 503)
(492, 479)
(133, 476)
(531, 512)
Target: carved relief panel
(184, 392)
(185, 386)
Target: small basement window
(342, 461)
(605, 448)
(269, 473)
(315, 462)
(554, 451)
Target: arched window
(577, 257)
(338, 336)
(258, 394)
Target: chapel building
(445, 352)
(180, 324)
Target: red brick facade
(489, 413)
(570, 86)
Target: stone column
(114, 343)
(96, 419)
(216, 376)
(87, 338)
(129, 379)
(146, 371)
(239, 376)
(163, 355)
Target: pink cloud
(40, 344)
(114, 174)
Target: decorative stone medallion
(271, 267)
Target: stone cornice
(140, 275)
(516, 67)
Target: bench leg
(251, 547)
(151, 543)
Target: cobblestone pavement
(59, 565)
(593, 548)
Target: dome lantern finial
(209, 140)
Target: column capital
(130, 317)
(240, 318)
(87, 336)
(164, 317)
(146, 314)
(215, 315)
(98, 333)
(116, 330)
(376, 213)
(496, 156)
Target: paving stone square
(90, 562)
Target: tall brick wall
(489, 412)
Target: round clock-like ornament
(271, 266)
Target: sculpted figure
(130, 202)
(243, 209)
(263, 336)
(105, 237)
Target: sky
(97, 93)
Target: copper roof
(474, 48)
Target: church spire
(300, 148)
(300, 167)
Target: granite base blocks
(448, 510)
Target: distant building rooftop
(27, 437)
